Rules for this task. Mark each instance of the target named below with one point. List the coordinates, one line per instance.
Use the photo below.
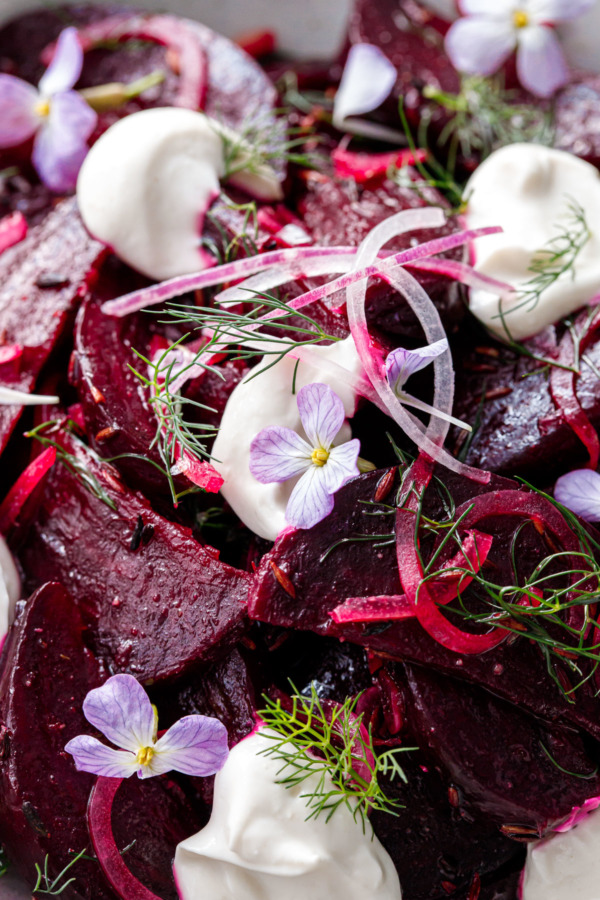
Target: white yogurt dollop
(146, 185)
(10, 589)
(565, 866)
(259, 846)
(268, 400)
(527, 189)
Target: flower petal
(341, 465)
(321, 413)
(367, 81)
(498, 9)
(91, 755)
(278, 454)
(541, 65)
(480, 45)
(558, 10)
(121, 710)
(18, 118)
(63, 72)
(310, 501)
(401, 364)
(579, 491)
(195, 745)
(61, 144)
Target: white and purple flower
(579, 491)
(490, 30)
(401, 364)
(121, 710)
(58, 117)
(278, 454)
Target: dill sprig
(331, 744)
(535, 606)
(244, 241)
(486, 116)
(47, 885)
(552, 262)
(4, 863)
(78, 469)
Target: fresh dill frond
(552, 262)
(244, 241)
(78, 469)
(560, 768)
(47, 885)
(4, 863)
(329, 744)
(486, 116)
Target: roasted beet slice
(577, 118)
(499, 756)
(342, 212)
(42, 281)
(438, 847)
(155, 601)
(351, 554)
(43, 798)
(411, 37)
(518, 429)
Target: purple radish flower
(121, 710)
(279, 454)
(58, 116)
(481, 42)
(401, 364)
(579, 491)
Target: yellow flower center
(319, 456)
(520, 18)
(144, 757)
(43, 108)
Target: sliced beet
(577, 117)
(438, 847)
(342, 212)
(156, 602)
(327, 564)
(517, 427)
(43, 798)
(42, 281)
(500, 757)
(411, 37)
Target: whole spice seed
(385, 484)
(283, 580)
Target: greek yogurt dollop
(259, 846)
(269, 399)
(565, 866)
(147, 184)
(527, 189)
(10, 589)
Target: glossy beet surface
(327, 564)
(154, 600)
(47, 672)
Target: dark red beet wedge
(343, 213)
(154, 600)
(47, 672)
(327, 565)
(500, 757)
(42, 282)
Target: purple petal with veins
(541, 64)
(91, 755)
(480, 45)
(278, 454)
(367, 81)
(63, 72)
(61, 144)
(122, 711)
(310, 501)
(401, 364)
(579, 491)
(195, 745)
(341, 465)
(321, 413)
(18, 118)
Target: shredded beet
(365, 167)
(23, 488)
(13, 229)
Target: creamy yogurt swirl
(530, 190)
(565, 866)
(258, 844)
